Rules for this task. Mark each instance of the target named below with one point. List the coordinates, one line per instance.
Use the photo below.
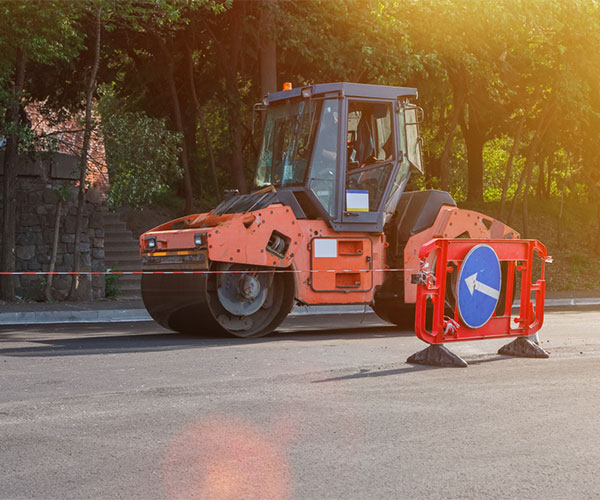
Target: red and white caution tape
(234, 271)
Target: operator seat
(365, 147)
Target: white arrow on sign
(473, 284)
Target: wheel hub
(242, 293)
(249, 287)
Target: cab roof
(347, 89)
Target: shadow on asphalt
(489, 359)
(364, 373)
(79, 340)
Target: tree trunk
(229, 64)
(431, 162)
(268, 49)
(432, 170)
(87, 133)
(513, 203)
(541, 182)
(51, 267)
(184, 157)
(9, 184)
(475, 138)
(200, 116)
(560, 215)
(525, 206)
(509, 164)
(542, 127)
(549, 178)
(231, 67)
(475, 160)
(475, 142)
(459, 102)
(239, 178)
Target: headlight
(151, 242)
(199, 239)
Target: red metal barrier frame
(449, 255)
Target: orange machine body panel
(338, 268)
(330, 267)
(451, 222)
(235, 238)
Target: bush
(141, 153)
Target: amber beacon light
(287, 86)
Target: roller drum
(178, 302)
(235, 300)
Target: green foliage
(45, 30)
(46, 33)
(111, 286)
(495, 157)
(512, 60)
(141, 153)
(359, 41)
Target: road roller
(328, 222)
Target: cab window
(370, 137)
(370, 155)
(323, 171)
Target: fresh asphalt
(326, 408)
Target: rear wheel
(402, 315)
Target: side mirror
(413, 116)
(258, 107)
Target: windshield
(287, 143)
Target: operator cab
(343, 151)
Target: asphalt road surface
(326, 409)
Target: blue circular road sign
(478, 289)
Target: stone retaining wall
(37, 201)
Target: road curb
(50, 317)
(139, 315)
(592, 301)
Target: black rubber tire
(402, 315)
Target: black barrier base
(522, 347)
(437, 355)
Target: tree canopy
(510, 87)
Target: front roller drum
(233, 300)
